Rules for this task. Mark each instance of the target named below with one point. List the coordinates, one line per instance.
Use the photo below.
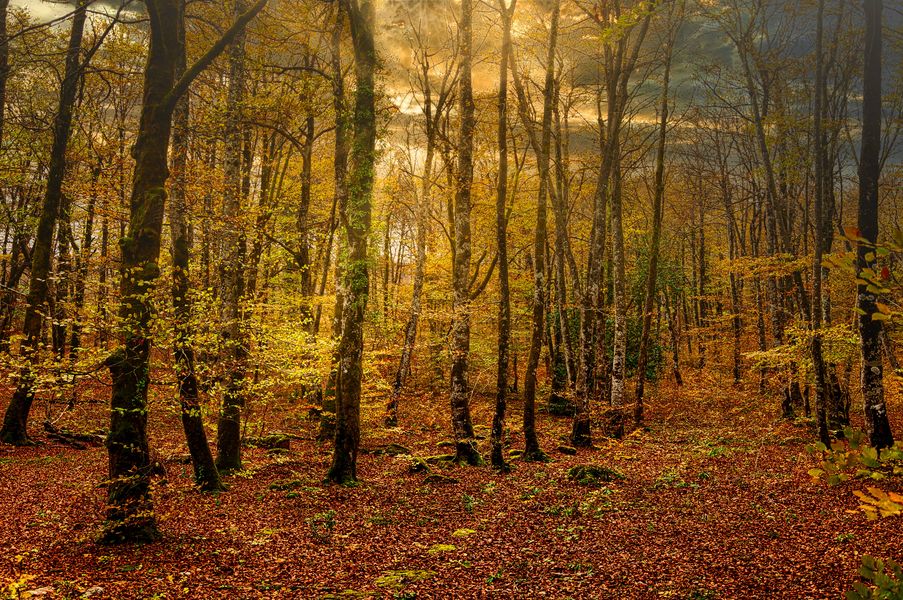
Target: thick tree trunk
(876, 422)
(130, 516)
(466, 447)
(15, 420)
(356, 219)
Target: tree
(818, 159)
(501, 238)
(206, 475)
(658, 211)
(465, 444)
(356, 220)
(872, 368)
(434, 110)
(130, 516)
(15, 420)
(232, 265)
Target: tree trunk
(818, 360)
(872, 376)
(83, 268)
(232, 277)
(130, 516)
(356, 219)
(206, 475)
(422, 216)
(466, 447)
(532, 450)
(501, 240)
(340, 201)
(15, 420)
(657, 212)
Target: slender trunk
(62, 277)
(501, 240)
(4, 64)
(82, 269)
(818, 360)
(532, 450)
(619, 343)
(340, 202)
(232, 278)
(206, 475)
(422, 215)
(872, 376)
(591, 305)
(302, 256)
(657, 211)
(15, 420)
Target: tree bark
(872, 374)
(356, 219)
(232, 276)
(501, 240)
(130, 516)
(465, 444)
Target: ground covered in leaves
(711, 500)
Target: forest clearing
(451, 299)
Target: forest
(451, 299)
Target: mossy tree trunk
(130, 516)
(466, 447)
(356, 218)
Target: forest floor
(715, 502)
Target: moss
(592, 475)
(440, 458)
(463, 532)
(418, 465)
(286, 484)
(400, 578)
(270, 441)
(440, 548)
(394, 450)
(569, 450)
